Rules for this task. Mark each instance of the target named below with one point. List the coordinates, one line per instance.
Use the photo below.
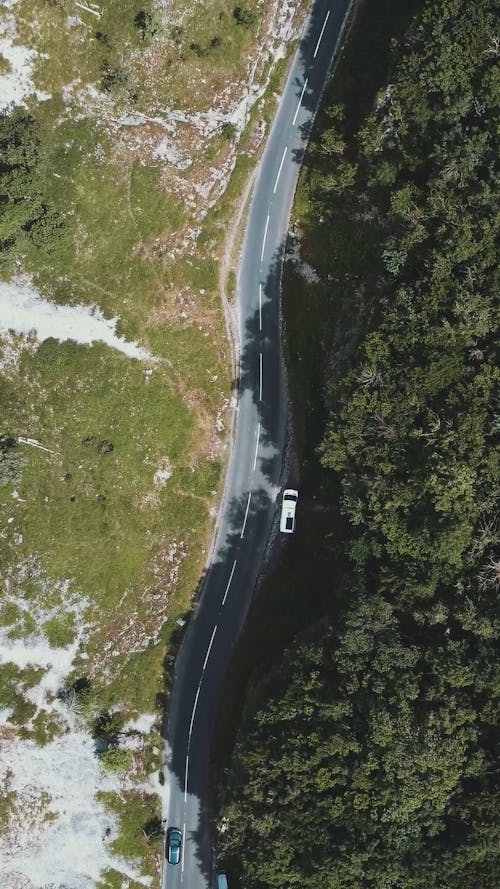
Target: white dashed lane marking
(186, 773)
(246, 515)
(194, 711)
(278, 174)
(264, 239)
(321, 35)
(256, 447)
(209, 649)
(183, 847)
(229, 582)
(294, 121)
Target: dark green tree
(367, 758)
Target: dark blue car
(174, 842)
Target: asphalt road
(249, 511)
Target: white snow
(143, 723)
(163, 473)
(73, 21)
(168, 151)
(37, 652)
(72, 849)
(17, 83)
(23, 311)
(34, 650)
(5, 714)
(58, 832)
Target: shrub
(11, 461)
(145, 24)
(244, 16)
(117, 760)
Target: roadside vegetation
(366, 751)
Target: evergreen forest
(366, 757)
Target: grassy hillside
(123, 154)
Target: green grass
(10, 614)
(202, 63)
(7, 801)
(22, 623)
(60, 631)
(82, 510)
(82, 506)
(112, 879)
(188, 61)
(137, 680)
(18, 679)
(133, 808)
(5, 66)
(108, 212)
(15, 682)
(85, 513)
(120, 39)
(45, 727)
(153, 211)
(117, 761)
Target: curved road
(249, 507)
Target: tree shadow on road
(249, 509)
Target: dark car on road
(174, 842)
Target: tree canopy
(25, 212)
(371, 759)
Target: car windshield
(289, 523)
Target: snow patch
(37, 652)
(58, 832)
(166, 150)
(34, 649)
(23, 311)
(73, 21)
(5, 714)
(163, 473)
(142, 724)
(17, 83)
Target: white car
(287, 521)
